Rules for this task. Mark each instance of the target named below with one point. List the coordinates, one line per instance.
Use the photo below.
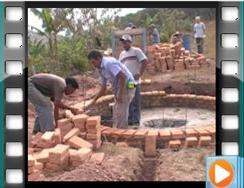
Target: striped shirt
(132, 59)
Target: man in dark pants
(199, 34)
(44, 88)
(135, 60)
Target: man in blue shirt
(118, 75)
(155, 34)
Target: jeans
(135, 107)
(44, 111)
(199, 42)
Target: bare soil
(183, 165)
(120, 164)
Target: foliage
(68, 34)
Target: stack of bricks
(58, 158)
(70, 144)
(34, 168)
(165, 57)
(174, 139)
(93, 131)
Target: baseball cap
(126, 38)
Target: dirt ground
(120, 164)
(183, 165)
(129, 164)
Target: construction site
(176, 131)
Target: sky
(36, 22)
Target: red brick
(202, 132)
(164, 134)
(175, 144)
(48, 136)
(191, 141)
(177, 134)
(80, 121)
(34, 176)
(140, 134)
(204, 140)
(42, 157)
(31, 169)
(81, 155)
(96, 136)
(211, 130)
(68, 114)
(53, 167)
(94, 131)
(108, 131)
(191, 132)
(96, 143)
(128, 133)
(93, 122)
(102, 128)
(65, 126)
(58, 154)
(83, 135)
(57, 136)
(39, 166)
(151, 143)
(77, 143)
(63, 122)
(30, 150)
(31, 160)
(97, 158)
(118, 132)
(71, 133)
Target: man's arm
(101, 92)
(58, 104)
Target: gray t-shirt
(49, 85)
(132, 59)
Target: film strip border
(13, 112)
(229, 73)
(13, 87)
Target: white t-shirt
(199, 29)
(132, 59)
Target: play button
(221, 173)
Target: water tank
(187, 42)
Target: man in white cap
(199, 34)
(135, 60)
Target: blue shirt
(110, 68)
(155, 36)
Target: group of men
(123, 74)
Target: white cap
(197, 17)
(126, 38)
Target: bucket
(187, 42)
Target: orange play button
(221, 173)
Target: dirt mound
(120, 164)
(184, 165)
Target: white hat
(197, 18)
(126, 38)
